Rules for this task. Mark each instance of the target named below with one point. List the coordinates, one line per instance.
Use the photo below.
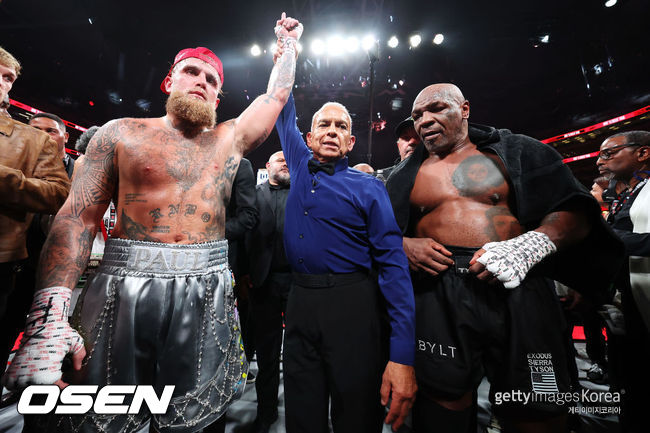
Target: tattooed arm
(67, 248)
(509, 261)
(48, 335)
(254, 125)
(565, 227)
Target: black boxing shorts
(467, 329)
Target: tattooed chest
(475, 178)
(160, 208)
(152, 169)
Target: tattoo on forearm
(65, 253)
(283, 73)
(551, 218)
(476, 175)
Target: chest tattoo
(476, 175)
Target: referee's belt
(323, 281)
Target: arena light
(352, 44)
(393, 42)
(318, 46)
(544, 39)
(438, 39)
(335, 46)
(415, 40)
(368, 42)
(610, 3)
(256, 50)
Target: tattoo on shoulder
(95, 183)
(476, 175)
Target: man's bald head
(277, 169)
(366, 168)
(445, 91)
(440, 117)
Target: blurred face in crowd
(621, 158)
(278, 170)
(194, 88)
(440, 114)
(331, 137)
(407, 142)
(53, 129)
(7, 77)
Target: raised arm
(254, 125)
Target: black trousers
(636, 376)
(335, 348)
(268, 305)
(16, 293)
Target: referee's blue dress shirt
(344, 223)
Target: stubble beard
(191, 111)
(281, 178)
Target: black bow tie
(315, 166)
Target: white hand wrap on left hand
(511, 260)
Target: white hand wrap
(298, 29)
(511, 260)
(48, 338)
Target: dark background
(594, 67)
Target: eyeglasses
(608, 153)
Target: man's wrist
(402, 353)
(51, 303)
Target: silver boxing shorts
(161, 314)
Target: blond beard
(198, 114)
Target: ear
(353, 140)
(216, 104)
(464, 108)
(267, 165)
(168, 84)
(66, 135)
(644, 154)
(309, 136)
